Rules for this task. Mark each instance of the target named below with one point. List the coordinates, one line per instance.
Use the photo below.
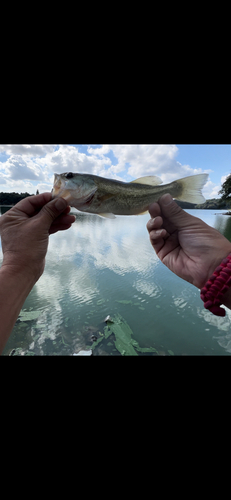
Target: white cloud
(149, 159)
(26, 149)
(17, 168)
(223, 178)
(102, 150)
(68, 158)
(34, 165)
(211, 190)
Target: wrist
(19, 268)
(219, 254)
(18, 275)
(216, 290)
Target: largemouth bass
(108, 197)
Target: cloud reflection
(121, 245)
(77, 256)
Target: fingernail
(166, 199)
(60, 204)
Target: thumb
(171, 211)
(51, 211)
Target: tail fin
(191, 188)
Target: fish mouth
(79, 196)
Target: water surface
(106, 267)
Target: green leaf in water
(170, 352)
(124, 343)
(100, 301)
(95, 344)
(64, 342)
(123, 334)
(28, 315)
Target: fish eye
(69, 175)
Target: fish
(109, 197)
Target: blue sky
(28, 167)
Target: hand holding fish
(25, 230)
(184, 243)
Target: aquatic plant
(124, 342)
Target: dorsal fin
(150, 180)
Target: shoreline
(227, 213)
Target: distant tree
(12, 198)
(37, 192)
(225, 190)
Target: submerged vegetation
(122, 334)
(115, 338)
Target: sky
(28, 167)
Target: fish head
(77, 189)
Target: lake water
(104, 267)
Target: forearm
(15, 285)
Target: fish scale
(108, 197)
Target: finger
(67, 210)
(61, 221)
(32, 204)
(62, 227)
(157, 239)
(51, 211)
(155, 235)
(155, 223)
(175, 216)
(154, 210)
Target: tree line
(208, 204)
(13, 198)
(219, 203)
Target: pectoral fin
(107, 216)
(105, 197)
(100, 200)
(150, 180)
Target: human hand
(184, 243)
(25, 231)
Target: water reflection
(215, 218)
(102, 266)
(121, 245)
(223, 224)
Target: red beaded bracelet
(213, 291)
